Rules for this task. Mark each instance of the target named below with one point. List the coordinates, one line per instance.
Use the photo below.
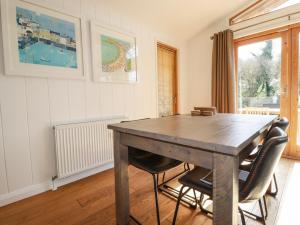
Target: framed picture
(114, 55)
(40, 42)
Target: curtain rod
(212, 37)
(259, 23)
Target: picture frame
(41, 42)
(114, 54)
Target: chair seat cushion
(201, 179)
(151, 162)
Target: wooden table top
(222, 133)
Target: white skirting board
(60, 182)
(48, 185)
(23, 193)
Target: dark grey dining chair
(282, 123)
(155, 165)
(253, 184)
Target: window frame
(257, 9)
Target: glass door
(262, 74)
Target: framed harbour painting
(114, 55)
(41, 42)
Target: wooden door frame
(175, 80)
(285, 97)
(295, 152)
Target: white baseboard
(60, 182)
(35, 189)
(24, 193)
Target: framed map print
(114, 55)
(40, 42)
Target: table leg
(121, 181)
(225, 190)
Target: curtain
(223, 82)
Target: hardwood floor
(91, 201)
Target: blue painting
(45, 40)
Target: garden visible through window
(259, 72)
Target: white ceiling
(183, 18)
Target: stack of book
(204, 111)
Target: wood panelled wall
(30, 106)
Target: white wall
(199, 56)
(29, 106)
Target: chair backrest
(282, 123)
(263, 168)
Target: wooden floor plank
(91, 201)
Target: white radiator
(83, 145)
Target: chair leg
(242, 216)
(156, 198)
(274, 193)
(178, 202)
(200, 201)
(266, 208)
(201, 205)
(276, 185)
(135, 220)
(163, 179)
(195, 198)
(177, 205)
(186, 167)
(262, 212)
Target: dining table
(219, 142)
